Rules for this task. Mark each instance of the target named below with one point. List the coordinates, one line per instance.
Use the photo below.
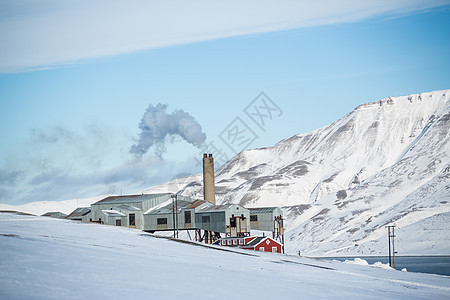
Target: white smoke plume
(157, 124)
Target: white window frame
(229, 242)
(274, 250)
(261, 249)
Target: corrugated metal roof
(257, 210)
(167, 207)
(129, 198)
(217, 208)
(79, 213)
(113, 213)
(55, 214)
(255, 241)
(126, 207)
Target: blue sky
(77, 78)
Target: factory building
(230, 220)
(173, 215)
(80, 214)
(167, 212)
(127, 210)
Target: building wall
(151, 221)
(87, 217)
(265, 220)
(238, 211)
(216, 223)
(109, 220)
(268, 244)
(96, 209)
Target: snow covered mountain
(385, 162)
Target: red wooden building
(257, 243)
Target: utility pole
(176, 208)
(393, 248)
(389, 243)
(173, 213)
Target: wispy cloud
(47, 33)
(64, 164)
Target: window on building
(118, 222)
(205, 219)
(253, 218)
(232, 222)
(161, 221)
(261, 249)
(241, 242)
(187, 217)
(132, 220)
(223, 242)
(229, 242)
(274, 249)
(234, 242)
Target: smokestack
(209, 193)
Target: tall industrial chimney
(209, 192)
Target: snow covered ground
(45, 258)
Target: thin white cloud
(41, 34)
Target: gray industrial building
(264, 218)
(170, 215)
(230, 219)
(268, 219)
(127, 210)
(167, 211)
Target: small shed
(161, 217)
(230, 219)
(80, 214)
(55, 214)
(114, 217)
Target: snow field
(45, 258)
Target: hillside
(385, 162)
(45, 258)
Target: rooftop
(113, 213)
(257, 210)
(129, 198)
(79, 212)
(55, 214)
(255, 241)
(167, 207)
(217, 208)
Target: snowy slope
(45, 258)
(41, 207)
